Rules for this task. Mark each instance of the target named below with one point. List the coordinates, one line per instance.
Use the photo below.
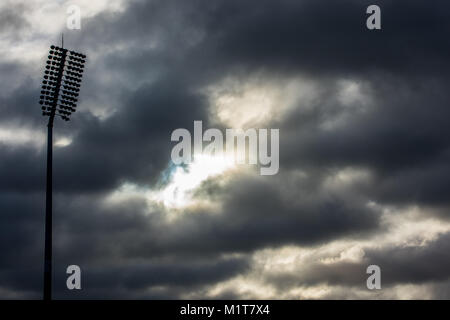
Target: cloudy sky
(364, 175)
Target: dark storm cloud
(129, 229)
(101, 238)
(257, 213)
(21, 169)
(21, 104)
(203, 42)
(141, 281)
(414, 264)
(21, 232)
(113, 245)
(403, 141)
(97, 239)
(323, 37)
(306, 36)
(151, 62)
(244, 226)
(417, 264)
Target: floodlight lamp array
(61, 83)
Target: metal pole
(49, 191)
(48, 216)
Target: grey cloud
(12, 19)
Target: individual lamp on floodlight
(59, 97)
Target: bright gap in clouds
(183, 181)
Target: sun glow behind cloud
(179, 191)
(183, 182)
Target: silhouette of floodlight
(64, 69)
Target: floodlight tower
(60, 89)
